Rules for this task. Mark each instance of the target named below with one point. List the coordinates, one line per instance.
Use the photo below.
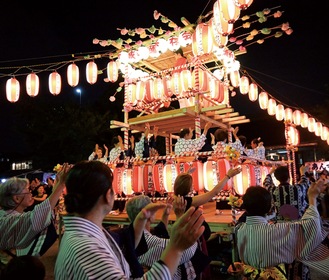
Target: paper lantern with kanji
(170, 173)
(253, 92)
(12, 90)
(263, 100)
(91, 72)
(32, 84)
(112, 70)
(73, 75)
(55, 83)
(202, 40)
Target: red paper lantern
(242, 181)
(202, 40)
(214, 171)
(32, 84)
(91, 72)
(12, 90)
(73, 75)
(216, 90)
(197, 174)
(55, 83)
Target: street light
(79, 91)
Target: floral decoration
(235, 201)
(57, 168)
(231, 153)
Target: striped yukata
(88, 252)
(19, 229)
(261, 244)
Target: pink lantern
(318, 129)
(311, 124)
(91, 72)
(112, 71)
(12, 90)
(253, 92)
(73, 75)
(202, 41)
(271, 109)
(55, 83)
(244, 85)
(235, 78)
(230, 11)
(263, 100)
(304, 120)
(325, 133)
(288, 115)
(279, 112)
(32, 84)
(297, 117)
(216, 90)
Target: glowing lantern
(304, 120)
(72, 75)
(157, 89)
(142, 178)
(219, 40)
(235, 78)
(91, 72)
(325, 133)
(214, 171)
(126, 183)
(243, 4)
(202, 77)
(185, 38)
(131, 93)
(253, 92)
(32, 84)
(176, 84)
(216, 88)
(244, 85)
(12, 90)
(197, 174)
(288, 115)
(263, 100)
(173, 45)
(186, 80)
(279, 112)
(202, 41)
(144, 52)
(242, 181)
(170, 173)
(140, 90)
(221, 25)
(55, 83)
(293, 136)
(230, 11)
(297, 117)
(271, 109)
(311, 124)
(112, 71)
(158, 177)
(318, 129)
(219, 73)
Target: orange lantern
(112, 71)
(304, 120)
(253, 92)
(216, 90)
(202, 76)
(297, 117)
(73, 75)
(288, 115)
(263, 100)
(230, 11)
(242, 181)
(91, 72)
(244, 85)
(148, 97)
(279, 112)
(197, 173)
(271, 109)
(318, 129)
(235, 78)
(311, 124)
(55, 83)
(202, 41)
(32, 84)
(214, 171)
(12, 90)
(170, 173)
(186, 80)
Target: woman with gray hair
(18, 228)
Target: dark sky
(293, 69)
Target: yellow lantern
(297, 117)
(202, 41)
(279, 112)
(293, 136)
(202, 77)
(311, 124)
(230, 11)
(221, 25)
(12, 90)
(216, 88)
(186, 80)
(170, 173)
(271, 109)
(157, 89)
(73, 75)
(253, 92)
(304, 120)
(263, 100)
(288, 115)
(235, 78)
(318, 129)
(55, 83)
(176, 84)
(244, 85)
(214, 171)
(242, 180)
(325, 133)
(32, 84)
(140, 90)
(112, 71)
(91, 72)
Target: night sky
(293, 68)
